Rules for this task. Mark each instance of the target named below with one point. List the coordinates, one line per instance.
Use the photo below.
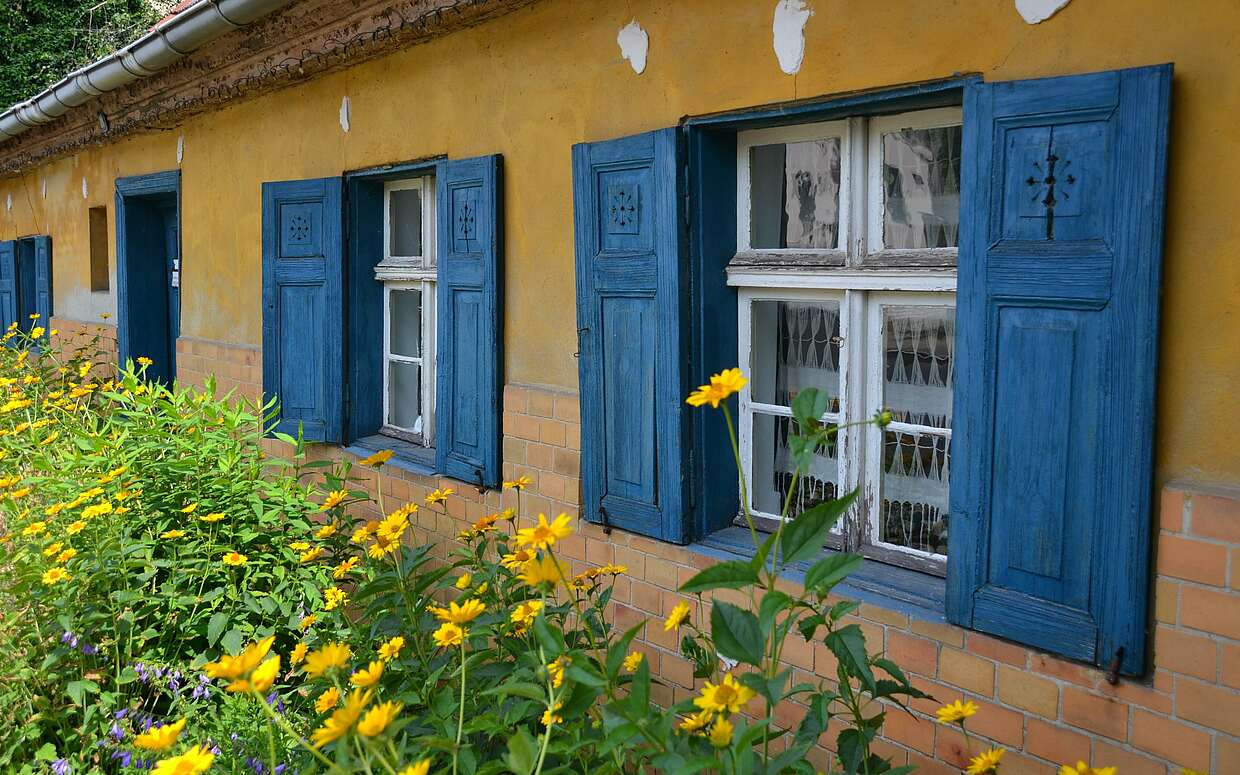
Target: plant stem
(460, 719)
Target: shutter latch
(479, 486)
(602, 513)
(1113, 670)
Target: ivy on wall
(41, 41)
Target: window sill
(918, 595)
(408, 457)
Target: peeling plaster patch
(789, 33)
(634, 45)
(344, 114)
(180, 148)
(45, 188)
(85, 190)
(9, 202)
(1036, 11)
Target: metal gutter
(166, 43)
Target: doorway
(148, 269)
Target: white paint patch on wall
(344, 114)
(9, 202)
(634, 45)
(45, 188)
(1037, 11)
(85, 189)
(180, 148)
(789, 34)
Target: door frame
(130, 313)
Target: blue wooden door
(8, 283)
(1057, 324)
(630, 314)
(171, 233)
(469, 297)
(43, 279)
(303, 305)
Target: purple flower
(125, 757)
(61, 767)
(89, 650)
(120, 714)
(117, 732)
(273, 700)
(68, 636)
(174, 682)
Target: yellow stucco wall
(531, 84)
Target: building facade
(507, 238)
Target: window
(408, 272)
(98, 222)
(847, 234)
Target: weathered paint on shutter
(1057, 326)
(303, 306)
(469, 297)
(8, 283)
(631, 316)
(43, 279)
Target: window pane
(404, 396)
(773, 465)
(405, 217)
(795, 194)
(914, 490)
(921, 188)
(796, 345)
(405, 337)
(918, 364)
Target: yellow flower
(1082, 768)
(956, 712)
(459, 614)
(331, 655)
(613, 570)
(311, 555)
(342, 719)
(334, 597)
(172, 534)
(697, 721)
(299, 653)
(721, 733)
(22, 493)
(391, 649)
(462, 581)
(144, 361)
(516, 559)
(552, 716)
(75, 527)
(159, 738)
(728, 697)
(439, 496)
(368, 676)
(722, 385)
(192, 762)
(260, 679)
(520, 483)
(299, 546)
(676, 617)
(234, 559)
(544, 535)
(449, 634)
(525, 613)
(422, 767)
(98, 510)
(36, 332)
(545, 569)
(327, 531)
(633, 661)
(231, 667)
(52, 549)
(190, 509)
(985, 762)
(377, 718)
(360, 535)
(377, 459)
(55, 576)
(34, 528)
(49, 438)
(327, 700)
(340, 570)
(334, 499)
(214, 516)
(556, 671)
(307, 621)
(66, 555)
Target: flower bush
(177, 600)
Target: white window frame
(399, 273)
(863, 287)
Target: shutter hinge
(480, 487)
(1113, 669)
(602, 514)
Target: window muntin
(408, 275)
(890, 294)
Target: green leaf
(842, 609)
(215, 627)
(732, 574)
(520, 689)
(773, 603)
(848, 646)
(77, 690)
(736, 633)
(829, 571)
(232, 640)
(809, 405)
(521, 755)
(639, 690)
(619, 650)
(805, 535)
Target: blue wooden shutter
(8, 283)
(303, 305)
(1057, 325)
(469, 296)
(43, 279)
(631, 316)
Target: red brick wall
(1044, 710)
